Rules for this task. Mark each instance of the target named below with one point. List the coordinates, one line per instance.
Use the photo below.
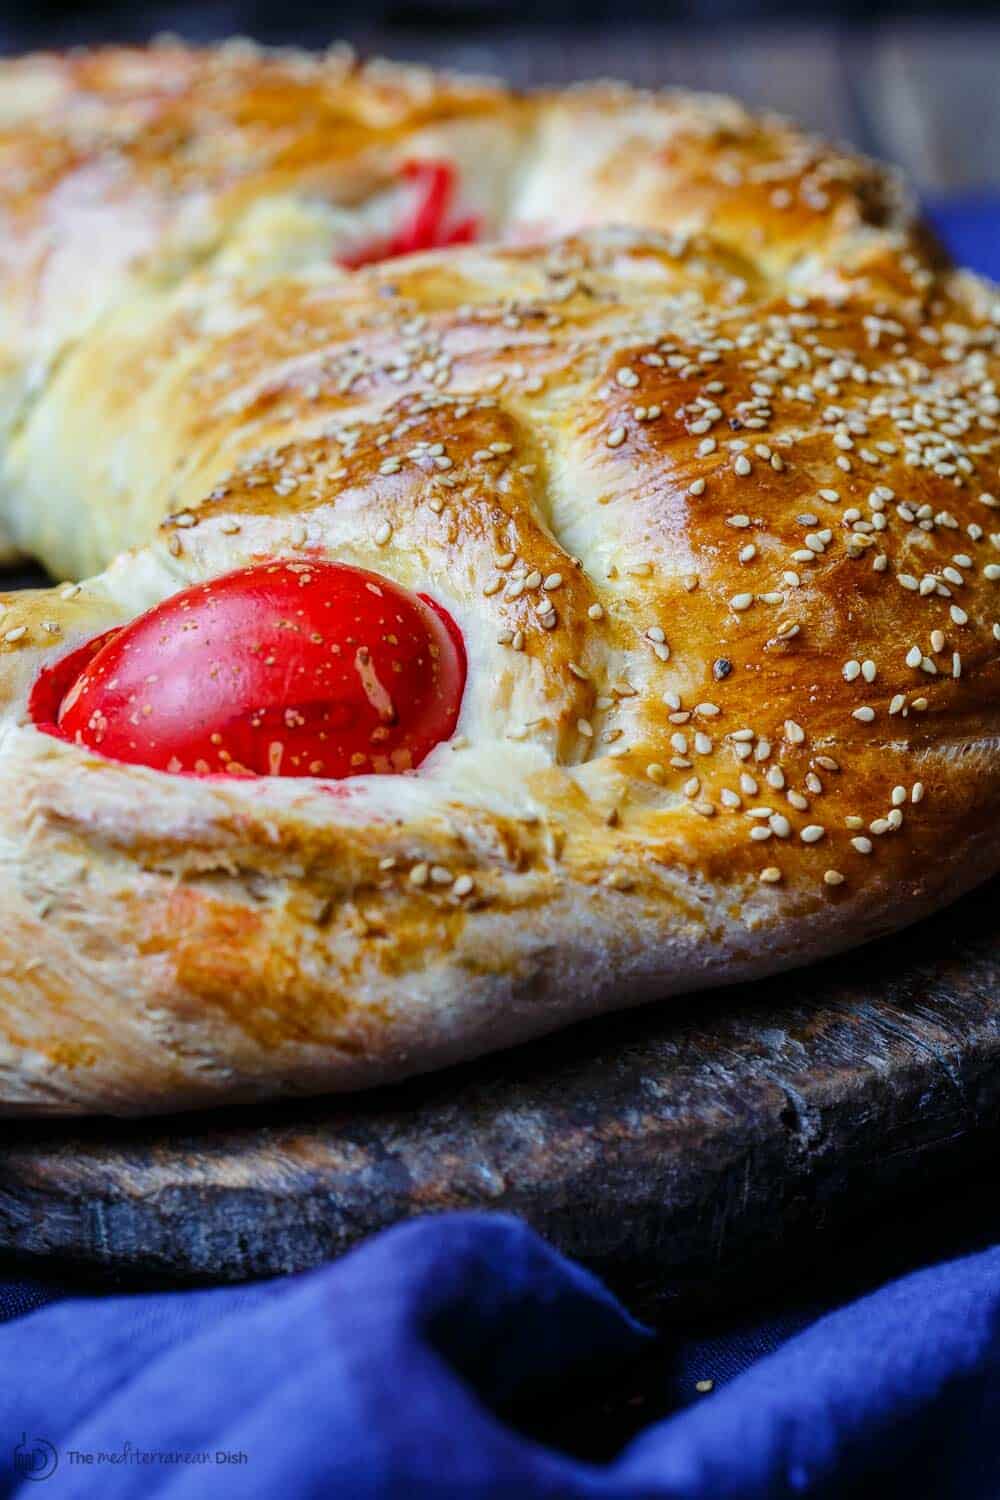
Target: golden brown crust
(711, 499)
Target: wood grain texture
(694, 1145)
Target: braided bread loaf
(671, 414)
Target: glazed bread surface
(698, 446)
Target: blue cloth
(461, 1356)
(971, 230)
(420, 1367)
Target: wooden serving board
(689, 1144)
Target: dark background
(309, 23)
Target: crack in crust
(711, 499)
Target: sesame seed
(595, 612)
(17, 634)
(615, 437)
(794, 733)
(656, 773)
(741, 602)
(917, 793)
(770, 875)
(696, 487)
(861, 844)
(742, 465)
(420, 874)
(851, 670)
(833, 877)
(812, 833)
(383, 534)
(864, 714)
(463, 886)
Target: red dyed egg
(286, 669)
(429, 226)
